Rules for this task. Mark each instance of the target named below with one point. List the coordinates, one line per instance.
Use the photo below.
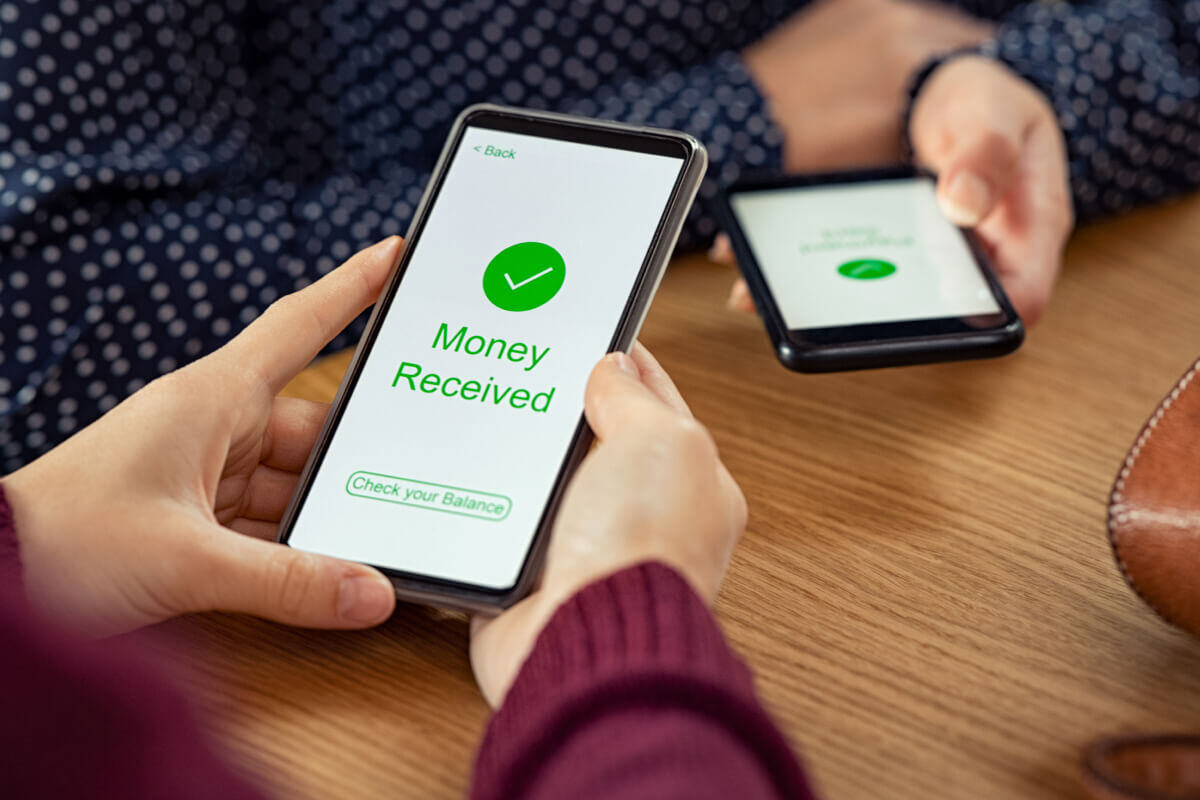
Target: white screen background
(800, 235)
(599, 207)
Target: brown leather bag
(1154, 529)
(1154, 508)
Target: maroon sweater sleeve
(631, 692)
(10, 561)
(84, 720)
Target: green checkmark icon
(524, 276)
(867, 269)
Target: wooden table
(924, 590)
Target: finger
(657, 380)
(739, 297)
(1028, 238)
(1028, 271)
(616, 396)
(1029, 292)
(969, 124)
(976, 174)
(722, 250)
(292, 431)
(268, 493)
(294, 328)
(293, 586)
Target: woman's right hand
(1001, 161)
(653, 489)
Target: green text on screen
(444, 459)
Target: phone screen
(453, 436)
(865, 252)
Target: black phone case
(873, 352)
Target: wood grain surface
(924, 589)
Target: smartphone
(856, 270)
(536, 249)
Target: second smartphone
(855, 270)
(536, 250)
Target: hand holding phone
(536, 250)
(678, 506)
(168, 503)
(862, 269)
(998, 150)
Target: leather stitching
(1118, 514)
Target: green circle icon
(524, 276)
(867, 269)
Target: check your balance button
(430, 496)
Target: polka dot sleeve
(1123, 77)
(718, 103)
(169, 169)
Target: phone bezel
(879, 344)
(461, 595)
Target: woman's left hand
(169, 503)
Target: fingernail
(389, 243)
(364, 600)
(625, 364)
(967, 199)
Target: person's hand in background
(652, 489)
(995, 144)
(168, 503)
(992, 137)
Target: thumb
(616, 396)
(296, 327)
(294, 587)
(976, 174)
(968, 126)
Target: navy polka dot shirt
(167, 169)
